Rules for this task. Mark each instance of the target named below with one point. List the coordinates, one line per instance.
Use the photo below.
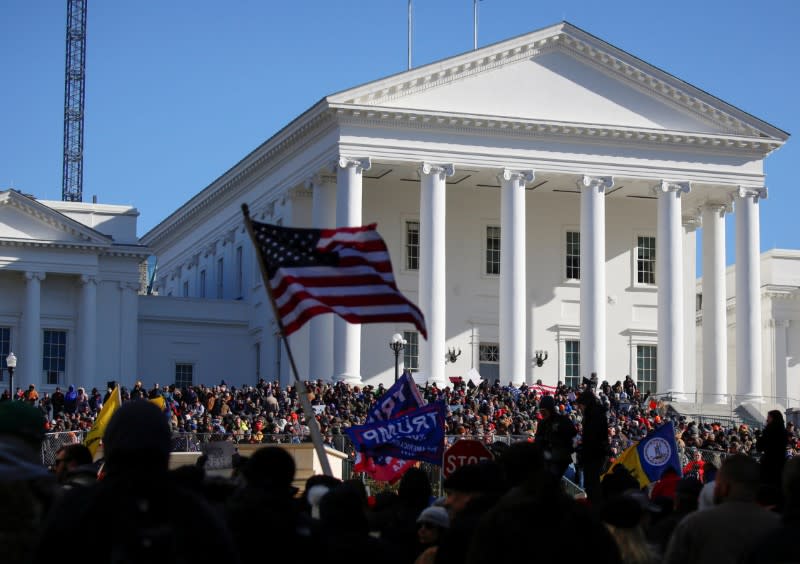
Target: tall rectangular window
(573, 255)
(412, 245)
(184, 374)
(492, 249)
(239, 273)
(186, 289)
(646, 260)
(220, 278)
(646, 360)
(202, 283)
(572, 363)
(489, 361)
(411, 351)
(54, 356)
(5, 348)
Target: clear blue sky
(177, 91)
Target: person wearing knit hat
(431, 525)
(21, 433)
(26, 488)
(137, 438)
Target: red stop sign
(463, 452)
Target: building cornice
(781, 292)
(552, 130)
(41, 243)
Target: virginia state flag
(95, 435)
(647, 459)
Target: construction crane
(74, 82)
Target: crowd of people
(136, 510)
(270, 413)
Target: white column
(748, 293)
(669, 279)
(513, 305)
(88, 330)
(347, 336)
(690, 380)
(31, 363)
(593, 274)
(129, 332)
(432, 268)
(780, 350)
(715, 318)
(323, 215)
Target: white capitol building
(539, 196)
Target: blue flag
(418, 435)
(659, 451)
(402, 397)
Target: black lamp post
(11, 362)
(398, 344)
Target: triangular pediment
(23, 220)
(560, 74)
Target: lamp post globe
(11, 363)
(397, 344)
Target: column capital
(442, 170)
(37, 275)
(692, 222)
(601, 183)
(718, 208)
(125, 285)
(320, 179)
(669, 186)
(751, 192)
(299, 193)
(521, 176)
(359, 164)
(88, 279)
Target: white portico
(536, 194)
(69, 276)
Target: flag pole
(313, 426)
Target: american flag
(346, 271)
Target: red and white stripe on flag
(346, 271)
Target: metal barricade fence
(54, 441)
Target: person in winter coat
(594, 446)
(772, 445)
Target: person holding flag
(309, 272)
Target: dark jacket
(594, 440)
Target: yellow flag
(93, 437)
(159, 402)
(630, 459)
